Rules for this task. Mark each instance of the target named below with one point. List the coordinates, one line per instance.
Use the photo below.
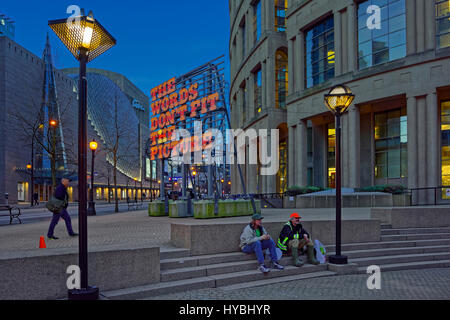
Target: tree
(32, 130)
(122, 142)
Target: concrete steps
(402, 249)
(398, 249)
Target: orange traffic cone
(42, 244)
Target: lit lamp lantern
(93, 145)
(86, 39)
(337, 101)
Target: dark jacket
(288, 233)
(61, 194)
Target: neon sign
(170, 107)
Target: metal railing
(430, 196)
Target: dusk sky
(156, 40)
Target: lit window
(281, 79)
(280, 15)
(331, 155)
(320, 53)
(376, 46)
(391, 145)
(445, 136)
(257, 94)
(443, 23)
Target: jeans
(56, 216)
(259, 246)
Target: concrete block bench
(211, 238)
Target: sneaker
(74, 235)
(264, 269)
(277, 266)
(53, 238)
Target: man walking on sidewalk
(61, 194)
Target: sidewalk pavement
(425, 284)
(134, 228)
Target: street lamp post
(86, 39)
(91, 210)
(337, 101)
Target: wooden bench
(11, 214)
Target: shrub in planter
(296, 190)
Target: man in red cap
(293, 237)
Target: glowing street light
(337, 101)
(86, 39)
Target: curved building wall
(254, 41)
(396, 130)
(399, 73)
(111, 114)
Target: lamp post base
(91, 293)
(91, 209)
(338, 259)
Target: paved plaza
(136, 229)
(427, 284)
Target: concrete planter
(179, 209)
(356, 200)
(156, 209)
(289, 202)
(401, 200)
(226, 208)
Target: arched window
(281, 79)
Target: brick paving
(427, 284)
(133, 228)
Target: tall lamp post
(93, 145)
(337, 101)
(86, 39)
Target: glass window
(445, 158)
(391, 142)
(443, 23)
(280, 15)
(320, 53)
(388, 42)
(257, 94)
(257, 21)
(281, 79)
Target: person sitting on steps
(255, 239)
(293, 238)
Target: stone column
(430, 25)
(421, 141)
(300, 62)
(352, 38)
(420, 25)
(264, 85)
(412, 142)
(338, 43)
(291, 159)
(270, 15)
(302, 154)
(270, 82)
(410, 27)
(345, 152)
(354, 147)
(250, 85)
(433, 142)
(291, 69)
